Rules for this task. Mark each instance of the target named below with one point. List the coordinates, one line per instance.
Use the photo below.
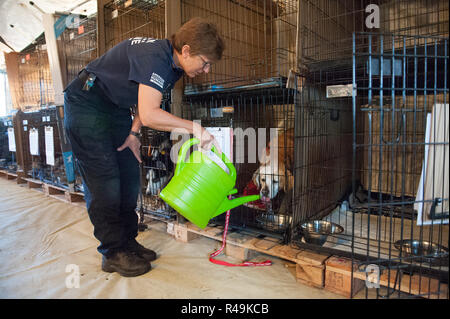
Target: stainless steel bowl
(274, 222)
(427, 251)
(317, 231)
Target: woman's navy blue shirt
(137, 60)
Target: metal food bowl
(428, 252)
(317, 231)
(274, 222)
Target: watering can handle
(227, 162)
(187, 145)
(182, 154)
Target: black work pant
(95, 128)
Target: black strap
(83, 75)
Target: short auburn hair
(202, 38)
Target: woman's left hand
(135, 146)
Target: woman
(105, 141)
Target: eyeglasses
(206, 65)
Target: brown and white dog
(275, 172)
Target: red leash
(224, 263)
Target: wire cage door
(157, 169)
(398, 211)
(78, 46)
(261, 120)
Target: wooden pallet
(34, 184)
(8, 175)
(17, 176)
(54, 191)
(320, 270)
(62, 194)
(339, 269)
(59, 193)
(310, 266)
(3, 173)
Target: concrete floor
(45, 241)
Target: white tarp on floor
(42, 237)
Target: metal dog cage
(54, 171)
(260, 39)
(35, 81)
(7, 157)
(377, 88)
(257, 117)
(41, 147)
(78, 46)
(156, 170)
(401, 143)
(359, 114)
(138, 18)
(30, 124)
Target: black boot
(141, 251)
(126, 263)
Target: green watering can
(200, 188)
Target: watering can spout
(228, 204)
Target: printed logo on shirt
(141, 40)
(158, 80)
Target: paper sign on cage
(34, 142)
(11, 140)
(49, 146)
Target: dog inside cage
(157, 170)
(159, 166)
(261, 124)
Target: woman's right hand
(207, 140)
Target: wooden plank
(213, 232)
(21, 177)
(183, 234)
(73, 197)
(310, 269)
(53, 190)
(172, 24)
(238, 252)
(101, 27)
(23, 160)
(310, 275)
(338, 277)
(285, 252)
(33, 183)
(265, 244)
(11, 176)
(415, 284)
(398, 162)
(238, 238)
(312, 258)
